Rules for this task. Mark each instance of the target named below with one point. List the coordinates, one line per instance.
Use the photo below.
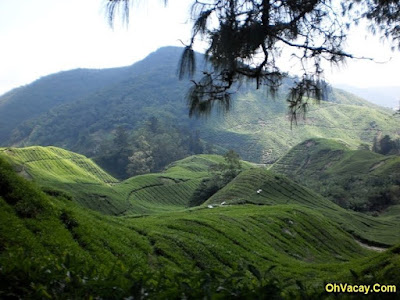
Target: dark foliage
(206, 189)
(26, 198)
(66, 277)
(385, 145)
(253, 37)
(57, 193)
(150, 148)
(221, 175)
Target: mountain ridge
(386, 96)
(257, 127)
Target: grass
(260, 186)
(56, 164)
(86, 246)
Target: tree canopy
(247, 40)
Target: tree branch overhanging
(246, 39)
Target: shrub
(26, 198)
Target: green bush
(27, 199)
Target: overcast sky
(40, 37)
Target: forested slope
(24, 104)
(257, 127)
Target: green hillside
(263, 187)
(170, 190)
(50, 164)
(257, 127)
(56, 248)
(57, 169)
(61, 171)
(357, 179)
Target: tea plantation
(262, 236)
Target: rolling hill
(257, 127)
(57, 169)
(53, 246)
(263, 187)
(357, 179)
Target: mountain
(30, 101)
(257, 127)
(261, 131)
(388, 96)
(147, 88)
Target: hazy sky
(40, 37)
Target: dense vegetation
(190, 223)
(287, 244)
(357, 179)
(221, 175)
(58, 170)
(257, 127)
(148, 149)
(385, 145)
(28, 102)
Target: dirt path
(373, 248)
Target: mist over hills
(388, 96)
(78, 109)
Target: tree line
(148, 149)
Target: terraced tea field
(357, 179)
(264, 187)
(56, 164)
(171, 190)
(267, 222)
(259, 130)
(94, 188)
